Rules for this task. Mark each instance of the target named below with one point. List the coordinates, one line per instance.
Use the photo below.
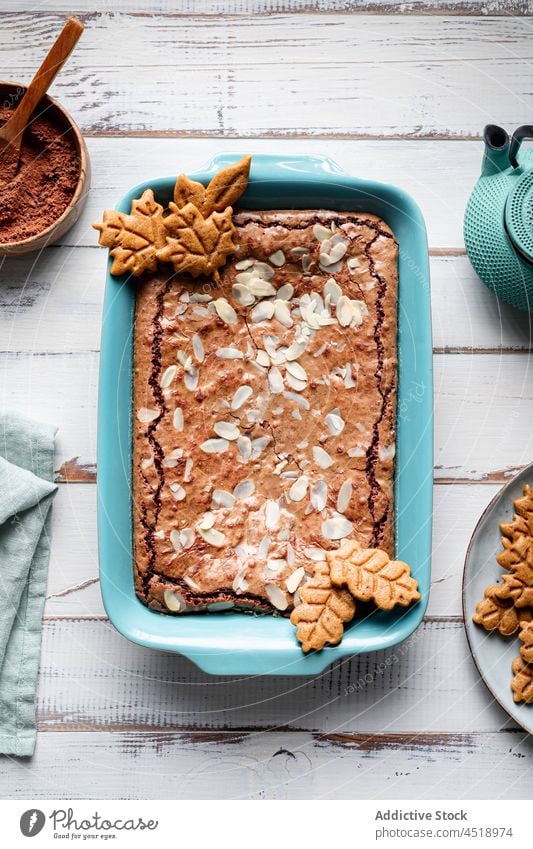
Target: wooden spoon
(12, 131)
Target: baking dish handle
(273, 166)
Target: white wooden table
(397, 92)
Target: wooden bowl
(10, 93)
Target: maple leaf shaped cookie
(322, 612)
(496, 614)
(522, 683)
(224, 190)
(196, 245)
(526, 635)
(370, 575)
(135, 238)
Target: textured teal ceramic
(237, 643)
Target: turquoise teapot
(498, 225)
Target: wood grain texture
(284, 75)
(93, 679)
(271, 766)
(73, 588)
(268, 7)
(483, 408)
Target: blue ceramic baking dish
(237, 643)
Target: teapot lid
(519, 215)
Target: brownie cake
(264, 412)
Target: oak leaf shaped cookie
(526, 636)
(496, 614)
(135, 238)
(224, 190)
(516, 586)
(323, 610)
(196, 245)
(522, 683)
(370, 575)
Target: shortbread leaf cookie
(322, 612)
(224, 190)
(522, 683)
(516, 550)
(526, 636)
(496, 614)
(370, 575)
(196, 245)
(516, 587)
(135, 238)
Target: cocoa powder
(45, 181)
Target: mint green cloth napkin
(26, 494)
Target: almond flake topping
(177, 491)
(277, 259)
(223, 498)
(229, 354)
(344, 496)
(296, 370)
(337, 528)
(227, 430)
(168, 376)
(356, 451)
(225, 311)
(177, 419)
(321, 233)
(293, 581)
(244, 447)
(243, 264)
(259, 445)
(242, 395)
(285, 292)
(214, 446)
(277, 597)
(275, 380)
(191, 378)
(317, 555)
(174, 601)
(242, 294)
(213, 537)
(198, 348)
(387, 452)
(264, 545)
(272, 515)
(262, 312)
(240, 584)
(298, 490)
(146, 415)
(244, 489)
(187, 537)
(335, 423)
(322, 457)
(319, 495)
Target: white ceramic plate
(492, 653)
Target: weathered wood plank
(270, 766)
(73, 587)
(93, 679)
(267, 7)
(483, 409)
(284, 75)
(53, 303)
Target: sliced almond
(295, 350)
(244, 489)
(298, 399)
(317, 555)
(335, 424)
(213, 537)
(275, 380)
(242, 294)
(296, 370)
(344, 311)
(262, 358)
(244, 447)
(225, 311)
(177, 491)
(227, 430)
(192, 583)
(344, 496)
(272, 515)
(356, 451)
(387, 452)
(259, 445)
(146, 415)
(298, 490)
(175, 540)
(263, 311)
(187, 470)
(322, 457)
(240, 584)
(174, 601)
(337, 528)
(214, 446)
(319, 495)
(321, 233)
(282, 313)
(243, 264)
(229, 354)
(147, 462)
(277, 597)
(261, 288)
(187, 537)
(191, 379)
(285, 292)
(333, 290)
(293, 581)
(177, 419)
(168, 376)
(223, 498)
(198, 348)
(277, 259)
(240, 397)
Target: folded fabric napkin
(26, 494)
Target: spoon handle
(52, 64)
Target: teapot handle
(524, 132)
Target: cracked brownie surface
(264, 412)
